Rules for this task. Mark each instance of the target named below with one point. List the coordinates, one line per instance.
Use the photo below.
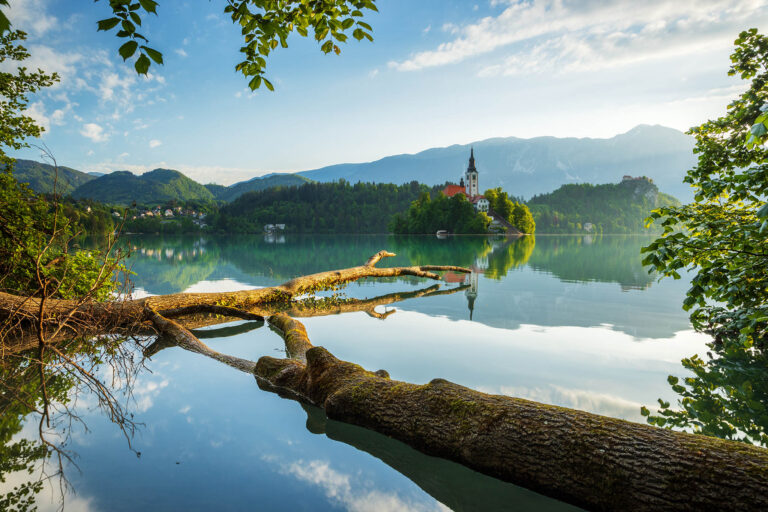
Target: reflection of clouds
(49, 498)
(145, 392)
(339, 488)
(582, 399)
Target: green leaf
(128, 49)
(5, 24)
(153, 54)
(758, 130)
(142, 65)
(762, 212)
(107, 24)
(149, 6)
(268, 85)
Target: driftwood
(588, 460)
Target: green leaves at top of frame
(126, 18)
(5, 23)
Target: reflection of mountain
(548, 281)
(587, 258)
(170, 264)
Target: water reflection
(558, 280)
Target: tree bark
(585, 459)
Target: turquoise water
(572, 321)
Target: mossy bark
(588, 460)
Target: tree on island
(514, 212)
(426, 215)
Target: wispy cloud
(95, 132)
(573, 35)
(155, 143)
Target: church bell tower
(470, 181)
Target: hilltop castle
(469, 186)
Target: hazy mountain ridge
(525, 167)
(232, 192)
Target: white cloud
(590, 35)
(36, 111)
(31, 16)
(180, 52)
(94, 132)
(373, 73)
(90, 152)
(155, 143)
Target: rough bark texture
(592, 461)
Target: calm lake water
(572, 321)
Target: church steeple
(471, 186)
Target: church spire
(471, 160)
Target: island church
(469, 186)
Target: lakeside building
(469, 186)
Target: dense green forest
(150, 188)
(610, 208)
(429, 215)
(40, 177)
(337, 207)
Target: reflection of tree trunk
(589, 460)
(453, 485)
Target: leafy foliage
(318, 208)
(426, 215)
(723, 238)
(513, 211)
(610, 208)
(36, 252)
(15, 86)
(264, 25)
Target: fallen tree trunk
(93, 318)
(588, 460)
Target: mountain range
(525, 167)
(154, 187)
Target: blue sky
(439, 72)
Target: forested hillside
(338, 207)
(41, 177)
(610, 208)
(150, 188)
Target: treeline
(426, 215)
(610, 208)
(337, 207)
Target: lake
(574, 321)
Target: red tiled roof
(452, 190)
